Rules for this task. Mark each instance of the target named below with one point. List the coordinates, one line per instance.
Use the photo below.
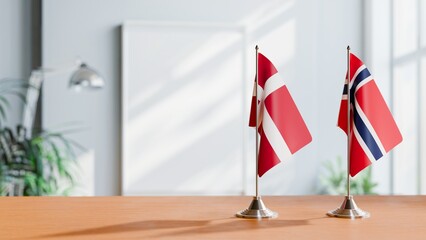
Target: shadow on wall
(188, 99)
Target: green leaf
(4, 101)
(2, 113)
(30, 180)
(46, 161)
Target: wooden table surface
(300, 217)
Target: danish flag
(280, 125)
(373, 130)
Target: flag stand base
(257, 209)
(349, 209)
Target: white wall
(378, 58)
(393, 43)
(306, 39)
(15, 48)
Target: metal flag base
(349, 209)
(257, 209)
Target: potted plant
(41, 164)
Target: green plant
(335, 180)
(36, 165)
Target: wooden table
(392, 217)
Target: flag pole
(349, 120)
(257, 208)
(348, 209)
(257, 122)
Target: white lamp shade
(86, 77)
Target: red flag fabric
(281, 127)
(373, 129)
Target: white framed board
(184, 109)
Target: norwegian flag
(373, 129)
(280, 125)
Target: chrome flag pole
(257, 208)
(257, 121)
(348, 209)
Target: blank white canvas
(182, 109)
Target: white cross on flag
(281, 127)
